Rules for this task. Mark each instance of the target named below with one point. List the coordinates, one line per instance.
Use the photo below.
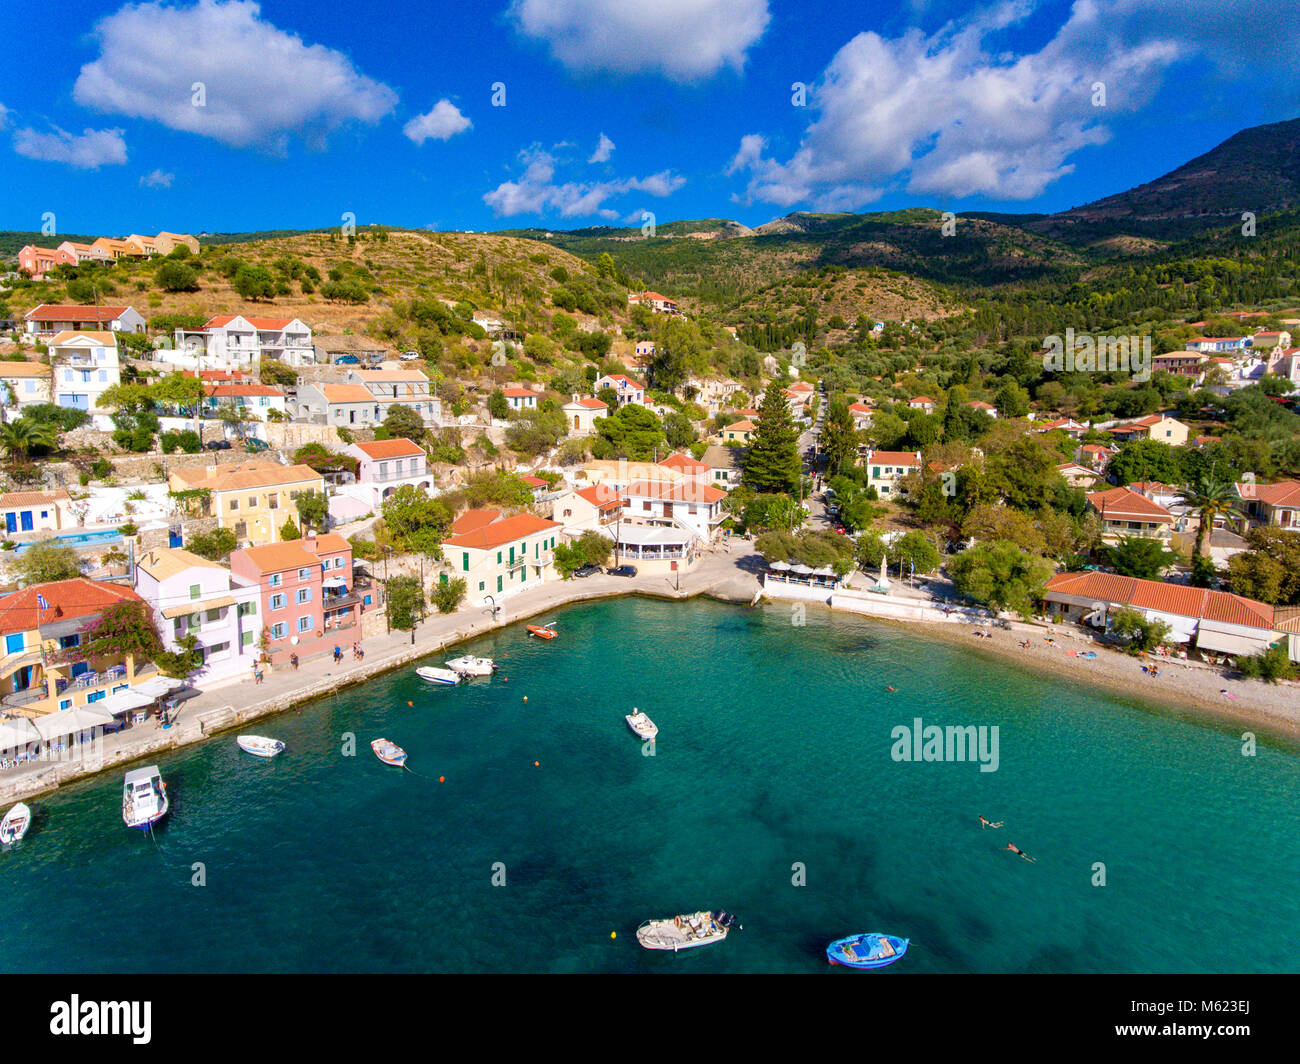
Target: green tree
(44, 562)
(1137, 556)
(404, 423)
(632, 431)
(405, 598)
(916, 550)
(1211, 497)
(176, 277)
(313, 510)
(769, 512)
(416, 522)
(772, 462)
(21, 436)
(678, 430)
(1011, 400)
(288, 531)
(215, 546)
(182, 663)
(1140, 634)
(1269, 665)
(1000, 575)
(449, 594)
(839, 439)
(498, 407)
(1147, 460)
(254, 282)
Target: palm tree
(1211, 496)
(18, 437)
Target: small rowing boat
(15, 824)
(871, 950)
(685, 931)
(259, 745)
(544, 631)
(472, 666)
(644, 727)
(389, 753)
(436, 675)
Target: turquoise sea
(774, 750)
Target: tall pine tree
(772, 461)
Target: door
(26, 518)
(11, 522)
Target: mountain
(1256, 170)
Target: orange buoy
(613, 934)
(410, 703)
(537, 764)
(442, 779)
(889, 689)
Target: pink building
(310, 600)
(40, 261)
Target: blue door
(11, 523)
(174, 537)
(26, 517)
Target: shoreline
(1180, 690)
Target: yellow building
(252, 499)
(498, 556)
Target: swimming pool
(102, 538)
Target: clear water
(774, 748)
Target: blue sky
(684, 108)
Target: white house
(387, 465)
(259, 399)
(399, 387)
(232, 341)
(51, 318)
(24, 384)
(625, 389)
(520, 399)
(580, 414)
(885, 469)
(84, 366)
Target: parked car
(622, 570)
(347, 360)
(217, 445)
(587, 570)
(411, 356)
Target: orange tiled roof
(1121, 502)
(68, 599)
(74, 312)
(1283, 493)
(499, 533)
(390, 448)
(1159, 596)
(680, 491)
(471, 520)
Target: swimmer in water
(989, 824)
(1020, 853)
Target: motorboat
(389, 753)
(472, 666)
(435, 675)
(259, 745)
(144, 798)
(870, 950)
(15, 824)
(644, 727)
(685, 931)
(544, 631)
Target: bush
(186, 440)
(1271, 665)
(101, 469)
(448, 595)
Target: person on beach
(1020, 853)
(989, 824)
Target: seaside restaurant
(657, 548)
(787, 573)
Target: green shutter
(464, 560)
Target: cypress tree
(772, 461)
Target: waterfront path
(731, 575)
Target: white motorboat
(685, 931)
(435, 675)
(644, 727)
(15, 824)
(471, 666)
(259, 745)
(144, 798)
(389, 753)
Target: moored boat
(685, 931)
(472, 666)
(389, 753)
(870, 950)
(144, 798)
(435, 675)
(644, 727)
(259, 745)
(15, 824)
(543, 631)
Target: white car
(411, 356)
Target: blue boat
(870, 950)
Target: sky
(232, 116)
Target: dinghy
(436, 675)
(471, 666)
(871, 950)
(259, 745)
(545, 631)
(144, 798)
(389, 753)
(644, 727)
(15, 824)
(685, 931)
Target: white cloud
(88, 151)
(537, 192)
(603, 151)
(157, 179)
(946, 115)
(259, 85)
(442, 123)
(685, 40)
(4, 116)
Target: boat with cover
(436, 675)
(870, 950)
(15, 824)
(543, 631)
(644, 727)
(472, 666)
(389, 753)
(259, 745)
(144, 798)
(685, 931)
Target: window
(480, 585)
(65, 703)
(464, 560)
(277, 602)
(273, 502)
(247, 609)
(234, 504)
(213, 616)
(68, 641)
(279, 630)
(195, 591)
(246, 639)
(304, 595)
(338, 562)
(304, 574)
(304, 623)
(252, 502)
(14, 643)
(274, 580)
(196, 619)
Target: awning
(71, 721)
(802, 570)
(334, 582)
(157, 686)
(198, 606)
(123, 701)
(1210, 637)
(779, 567)
(17, 732)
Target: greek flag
(40, 601)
